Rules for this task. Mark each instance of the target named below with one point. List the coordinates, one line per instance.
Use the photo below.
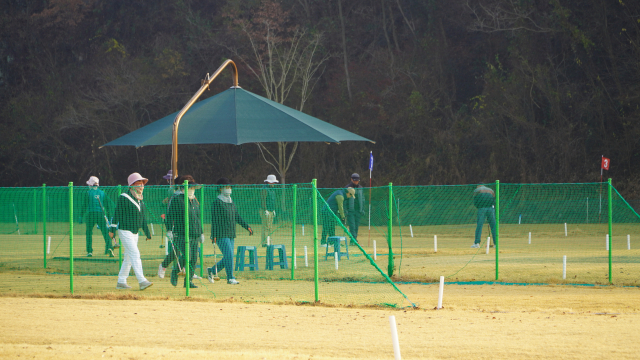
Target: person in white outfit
(130, 218)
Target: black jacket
(175, 217)
(129, 217)
(224, 217)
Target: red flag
(605, 163)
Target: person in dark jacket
(96, 213)
(355, 206)
(224, 216)
(484, 200)
(130, 218)
(336, 206)
(175, 223)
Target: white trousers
(131, 256)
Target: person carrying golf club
(268, 211)
(484, 200)
(175, 222)
(224, 217)
(336, 206)
(129, 218)
(96, 214)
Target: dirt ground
(480, 322)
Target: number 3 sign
(605, 163)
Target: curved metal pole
(176, 122)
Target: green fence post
(71, 236)
(187, 274)
(119, 247)
(497, 239)
(610, 232)
(314, 190)
(201, 245)
(389, 230)
(44, 222)
(293, 230)
(35, 211)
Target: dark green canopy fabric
(237, 116)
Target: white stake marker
(302, 229)
(564, 267)
(152, 230)
(335, 257)
(440, 292)
(529, 237)
(394, 337)
(411, 229)
(488, 242)
(268, 240)
(375, 256)
(565, 229)
(48, 244)
(306, 258)
(607, 240)
(295, 262)
(435, 243)
(628, 242)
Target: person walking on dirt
(130, 218)
(224, 217)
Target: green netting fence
(544, 233)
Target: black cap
(223, 181)
(190, 180)
(355, 176)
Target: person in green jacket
(95, 214)
(224, 217)
(336, 206)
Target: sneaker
(89, 254)
(122, 286)
(232, 282)
(145, 284)
(210, 275)
(110, 252)
(475, 246)
(161, 271)
(174, 277)
(196, 277)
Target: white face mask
(226, 192)
(192, 194)
(137, 191)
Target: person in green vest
(96, 214)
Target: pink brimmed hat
(136, 177)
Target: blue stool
(336, 240)
(282, 254)
(253, 258)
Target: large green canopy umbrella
(237, 116)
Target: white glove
(202, 238)
(266, 213)
(274, 213)
(170, 235)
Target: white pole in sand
(628, 242)
(306, 259)
(565, 229)
(564, 267)
(529, 237)
(335, 257)
(48, 244)
(411, 229)
(394, 337)
(607, 239)
(435, 243)
(302, 229)
(488, 242)
(295, 262)
(440, 292)
(375, 256)
(153, 232)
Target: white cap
(135, 177)
(271, 179)
(93, 181)
(352, 191)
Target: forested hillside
(452, 92)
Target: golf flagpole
(370, 168)
(604, 165)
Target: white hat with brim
(271, 179)
(93, 181)
(136, 177)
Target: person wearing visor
(96, 214)
(129, 218)
(268, 212)
(224, 217)
(355, 207)
(175, 223)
